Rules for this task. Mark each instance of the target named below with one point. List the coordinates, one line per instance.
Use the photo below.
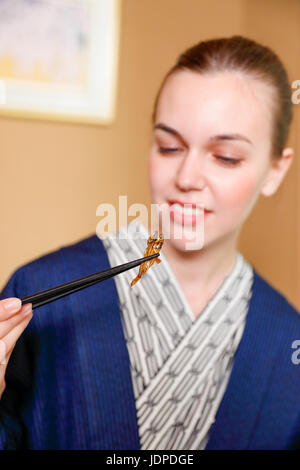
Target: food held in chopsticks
(154, 245)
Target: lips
(194, 205)
(187, 213)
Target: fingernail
(27, 309)
(12, 305)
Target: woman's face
(211, 147)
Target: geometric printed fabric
(180, 365)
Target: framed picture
(59, 58)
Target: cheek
(159, 176)
(152, 172)
(238, 193)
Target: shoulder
(70, 262)
(269, 301)
(58, 266)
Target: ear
(277, 172)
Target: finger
(8, 354)
(5, 359)
(7, 342)
(9, 307)
(3, 365)
(7, 325)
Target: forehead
(225, 102)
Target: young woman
(197, 355)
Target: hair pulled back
(241, 54)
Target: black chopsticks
(55, 293)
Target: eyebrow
(168, 129)
(215, 138)
(230, 137)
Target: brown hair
(241, 54)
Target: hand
(13, 320)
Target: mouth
(187, 213)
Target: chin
(188, 241)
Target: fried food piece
(154, 245)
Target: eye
(228, 161)
(167, 150)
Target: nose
(191, 173)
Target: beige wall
(53, 176)
(271, 238)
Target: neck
(204, 269)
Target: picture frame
(59, 59)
